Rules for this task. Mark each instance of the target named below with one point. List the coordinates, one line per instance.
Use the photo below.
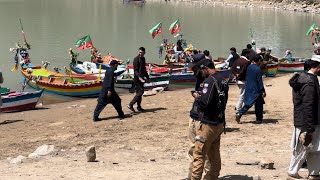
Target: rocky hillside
(309, 6)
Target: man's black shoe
(257, 122)
(131, 108)
(140, 109)
(96, 119)
(122, 117)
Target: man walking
(108, 93)
(239, 70)
(140, 77)
(211, 103)
(254, 91)
(306, 135)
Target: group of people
(207, 115)
(207, 119)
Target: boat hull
(20, 101)
(156, 81)
(63, 85)
(270, 70)
(290, 68)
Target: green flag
(156, 30)
(84, 43)
(175, 27)
(312, 27)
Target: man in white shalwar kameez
(306, 135)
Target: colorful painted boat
(155, 81)
(56, 83)
(291, 67)
(270, 70)
(17, 101)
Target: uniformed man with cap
(108, 93)
(210, 103)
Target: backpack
(222, 90)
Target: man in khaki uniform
(210, 103)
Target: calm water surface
(52, 27)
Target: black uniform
(211, 105)
(114, 99)
(140, 71)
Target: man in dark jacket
(306, 135)
(233, 56)
(254, 91)
(108, 93)
(239, 70)
(140, 77)
(211, 103)
(252, 53)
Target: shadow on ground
(153, 110)
(9, 122)
(116, 117)
(236, 177)
(232, 129)
(265, 121)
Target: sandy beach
(149, 145)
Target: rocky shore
(286, 5)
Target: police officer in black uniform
(108, 93)
(210, 104)
(140, 77)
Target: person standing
(306, 134)
(194, 125)
(211, 103)
(233, 56)
(239, 70)
(108, 93)
(140, 77)
(207, 55)
(1, 81)
(252, 54)
(254, 91)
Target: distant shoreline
(313, 8)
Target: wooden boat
(291, 67)
(159, 80)
(19, 101)
(56, 83)
(270, 70)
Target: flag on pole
(84, 43)
(156, 30)
(175, 27)
(310, 31)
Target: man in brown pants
(211, 104)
